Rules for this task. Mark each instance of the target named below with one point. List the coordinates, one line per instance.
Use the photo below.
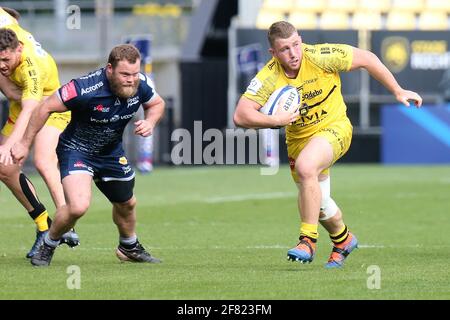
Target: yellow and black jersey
(318, 83)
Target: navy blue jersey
(98, 116)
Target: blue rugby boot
(303, 252)
(70, 238)
(341, 251)
(40, 235)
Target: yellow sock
(309, 230)
(41, 221)
(339, 236)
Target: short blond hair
(123, 52)
(280, 30)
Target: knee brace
(328, 207)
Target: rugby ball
(284, 99)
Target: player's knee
(77, 210)
(43, 165)
(126, 206)
(306, 170)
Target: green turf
(223, 233)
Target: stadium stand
(334, 20)
(401, 20)
(304, 20)
(433, 20)
(367, 20)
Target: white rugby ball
(284, 99)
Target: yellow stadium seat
(334, 20)
(367, 20)
(339, 5)
(375, 5)
(438, 5)
(310, 5)
(303, 20)
(433, 20)
(408, 5)
(401, 20)
(265, 18)
(278, 5)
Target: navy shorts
(113, 175)
(104, 168)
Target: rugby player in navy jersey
(90, 149)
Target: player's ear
(271, 51)
(109, 68)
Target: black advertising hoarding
(419, 60)
(252, 53)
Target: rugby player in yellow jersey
(29, 72)
(320, 132)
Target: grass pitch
(223, 233)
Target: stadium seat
(278, 5)
(267, 17)
(334, 20)
(433, 20)
(367, 20)
(308, 5)
(438, 5)
(382, 6)
(408, 5)
(304, 20)
(401, 20)
(339, 5)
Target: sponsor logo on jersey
(310, 81)
(117, 103)
(325, 50)
(96, 73)
(115, 118)
(127, 116)
(99, 120)
(271, 65)
(311, 94)
(132, 101)
(310, 50)
(123, 161)
(101, 108)
(254, 86)
(340, 50)
(91, 88)
(35, 86)
(68, 91)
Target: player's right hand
(19, 153)
(285, 118)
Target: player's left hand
(406, 96)
(5, 155)
(143, 128)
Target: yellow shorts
(338, 134)
(57, 120)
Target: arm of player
(247, 115)
(40, 115)
(369, 61)
(20, 126)
(9, 89)
(153, 112)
